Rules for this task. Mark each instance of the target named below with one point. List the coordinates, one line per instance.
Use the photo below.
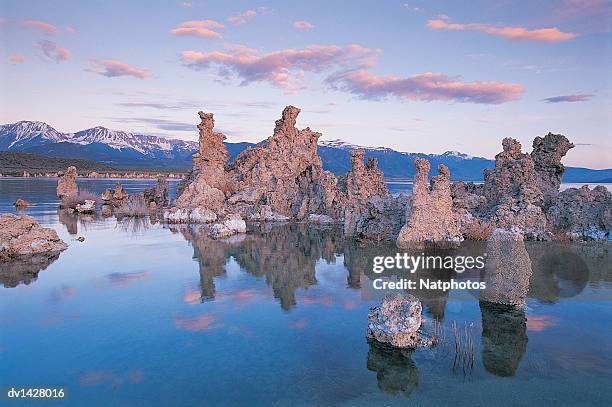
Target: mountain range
(124, 150)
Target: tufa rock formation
(507, 270)
(23, 236)
(397, 321)
(362, 183)
(285, 173)
(430, 218)
(513, 196)
(67, 184)
(158, 194)
(582, 213)
(547, 154)
(282, 179)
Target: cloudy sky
(427, 76)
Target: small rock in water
(80, 239)
(21, 203)
(397, 321)
(22, 235)
(88, 206)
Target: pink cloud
(303, 25)
(205, 322)
(571, 9)
(39, 25)
(426, 86)
(54, 51)
(16, 59)
(199, 28)
(112, 68)
(552, 34)
(242, 18)
(70, 29)
(579, 97)
(283, 68)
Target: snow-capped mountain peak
(27, 134)
(457, 154)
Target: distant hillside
(12, 163)
(128, 151)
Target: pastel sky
(419, 76)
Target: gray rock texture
(507, 269)
(397, 321)
(430, 217)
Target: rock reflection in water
(504, 338)
(285, 255)
(69, 219)
(24, 269)
(395, 370)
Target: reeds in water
(465, 347)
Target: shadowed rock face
(158, 194)
(395, 370)
(504, 338)
(547, 154)
(367, 202)
(430, 217)
(67, 184)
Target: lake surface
(145, 314)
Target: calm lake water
(141, 313)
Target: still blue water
(140, 313)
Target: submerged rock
(430, 217)
(21, 203)
(397, 321)
(67, 184)
(22, 235)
